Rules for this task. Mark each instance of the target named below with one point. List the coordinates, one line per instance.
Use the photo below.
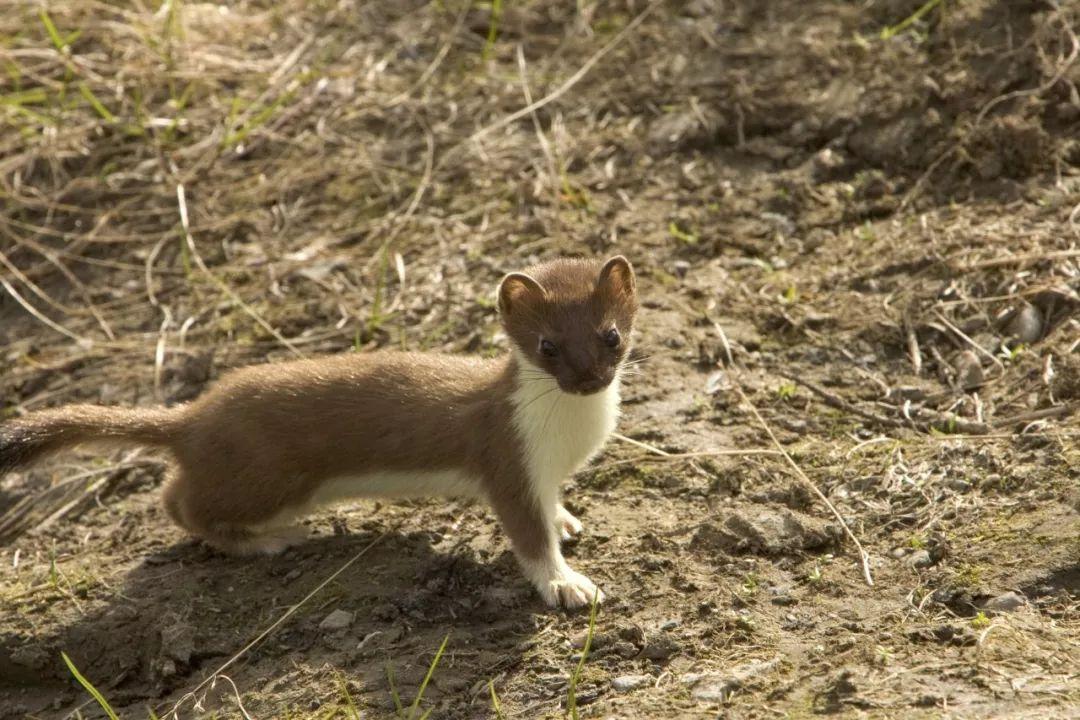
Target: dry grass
(114, 117)
(185, 189)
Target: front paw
(566, 524)
(571, 590)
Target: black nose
(592, 384)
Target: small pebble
(337, 620)
(828, 159)
(661, 648)
(920, 559)
(781, 596)
(178, 642)
(718, 686)
(1006, 602)
(626, 683)
(1026, 325)
(969, 372)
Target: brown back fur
(261, 442)
(268, 436)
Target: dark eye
(548, 348)
(612, 338)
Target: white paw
(570, 590)
(277, 541)
(567, 525)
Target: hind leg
(201, 515)
(566, 524)
(236, 540)
(172, 497)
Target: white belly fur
(389, 485)
(560, 431)
(411, 484)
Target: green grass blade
(393, 691)
(427, 679)
(50, 28)
(33, 96)
(353, 713)
(88, 686)
(96, 104)
(493, 29)
(376, 319)
(571, 691)
(495, 701)
(259, 119)
(904, 24)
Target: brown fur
(570, 303)
(268, 436)
(256, 447)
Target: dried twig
(182, 204)
(863, 556)
(913, 348)
(953, 149)
(652, 457)
(1022, 259)
(572, 80)
(83, 342)
(724, 341)
(841, 404)
(549, 154)
(212, 677)
(1062, 69)
(651, 448)
(1050, 412)
(963, 336)
(936, 421)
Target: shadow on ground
(183, 612)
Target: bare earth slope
(875, 240)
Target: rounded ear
(617, 277)
(517, 288)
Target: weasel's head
(572, 319)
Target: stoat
(269, 443)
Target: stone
(828, 161)
(1006, 602)
(626, 683)
(178, 642)
(337, 620)
(718, 686)
(920, 559)
(661, 647)
(1026, 325)
(969, 372)
(765, 532)
(779, 595)
(677, 129)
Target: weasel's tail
(28, 439)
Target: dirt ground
(872, 236)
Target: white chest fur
(559, 431)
